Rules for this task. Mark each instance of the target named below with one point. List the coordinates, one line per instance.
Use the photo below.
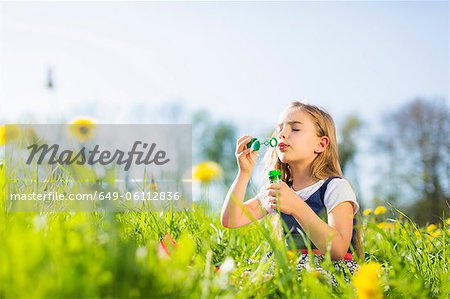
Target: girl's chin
(286, 158)
(283, 158)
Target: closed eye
(280, 127)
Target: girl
(313, 198)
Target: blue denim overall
(316, 203)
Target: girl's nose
(281, 138)
(282, 134)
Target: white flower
(141, 253)
(39, 222)
(227, 266)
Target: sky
(119, 62)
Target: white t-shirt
(338, 190)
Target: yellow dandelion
(367, 212)
(436, 233)
(366, 281)
(315, 273)
(431, 228)
(382, 225)
(207, 171)
(386, 225)
(291, 255)
(153, 186)
(82, 129)
(2, 135)
(8, 133)
(380, 210)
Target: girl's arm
(337, 232)
(233, 214)
(338, 229)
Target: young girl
(314, 199)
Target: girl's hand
(246, 157)
(286, 197)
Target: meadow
(188, 254)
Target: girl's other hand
(282, 197)
(246, 157)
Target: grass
(118, 255)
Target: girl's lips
(282, 146)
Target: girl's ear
(322, 145)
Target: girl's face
(297, 137)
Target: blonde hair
(326, 163)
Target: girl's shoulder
(339, 183)
(340, 190)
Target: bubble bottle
(255, 143)
(275, 177)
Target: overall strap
(324, 186)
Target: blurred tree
(215, 141)
(200, 121)
(416, 141)
(347, 145)
(348, 148)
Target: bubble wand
(274, 177)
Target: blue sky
(241, 61)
